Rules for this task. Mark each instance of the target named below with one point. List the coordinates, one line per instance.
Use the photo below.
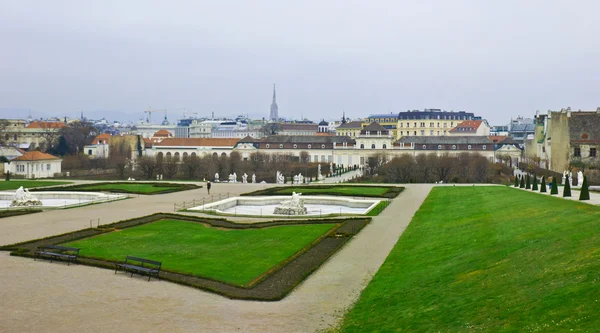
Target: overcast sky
(498, 59)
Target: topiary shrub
(567, 189)
(554, 189)
(527, 183)
(517, 181)
(585, 190)
(543, 185)
(522, 183)
(534, 187)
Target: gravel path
(39, 296)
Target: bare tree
(170, 167)
(443, 167)
(424, 167)
(400, 169)
(146, 166)
(191, 166)
(304, 157)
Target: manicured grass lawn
(488, 259)
(234, 256)
(141, 188)
(343, 190)
(15, 184)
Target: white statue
(216, 176)
(300, 178)
(245, 178)
(253, 178)
(319, 175)
(295, 206)
(571, 178)
(22, 197)
(295, 179)
(564, 178)
(331, 168)
(579, 178)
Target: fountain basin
(316, 206)
(61, 199)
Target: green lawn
(343, 190)
(234, 256)
(141, 188)
(488, 259)
(15, 184)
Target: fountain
(23, 198)
(295, 206)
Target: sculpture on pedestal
(295, 206)
(217, 177)
(319, 175)
(253, 178)
(22, 198)
(245, 178)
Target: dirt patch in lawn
(271, 286)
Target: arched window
(362, 146)
(160, 155)
(484, 147)
(193, 154)
(215, 155)
(384, 146)
(223, 155)
(169, 155)
(177, 156)
(373, 146)
(185, 155)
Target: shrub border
(18, 212)
(391, 193)
(273, 285)
(81, 187)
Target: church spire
(274, 114)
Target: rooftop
(35, 156)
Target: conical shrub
(543, 185)
(567, 189)
(528, 183)
(585, 190)
(554, 189)
(522, 183)
(517, 181)
(534, 187)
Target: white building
(36, 164)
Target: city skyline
(497, 60)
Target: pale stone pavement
(38, 296)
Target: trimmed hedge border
(391, 193)
(82, 187)
(9, 213)
(273, 285)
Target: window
(373, 146)
(267, 145)
(431, 132)
(322, 146)
(454, 147)
(424, 146)
(469, 147)
(415, 124)
(401, 124)
(407, 124)
(48, 167)
(592, 152)
(280, 145)
(439, 146)
(415, 133)
(89, 152)
(295, 145)
(309, 146)
(577, 152)
(401, 132)
(431, 124)
(445, 124)
(422, 132)
(484, 147)
(362, 146)
(422, 124)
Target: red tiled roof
(35, 156)
(163, 133)
(198, 142)
(46, 124)
(467, 126)
(497, 138)
(101, 137)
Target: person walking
(208, 187)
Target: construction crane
(150, 111)
(189, 113)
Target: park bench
(140, 265)
(53, 252)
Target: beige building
(33, 135)
(430, 122)
(350, 129)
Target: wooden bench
(140, 265)
(53, 252)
